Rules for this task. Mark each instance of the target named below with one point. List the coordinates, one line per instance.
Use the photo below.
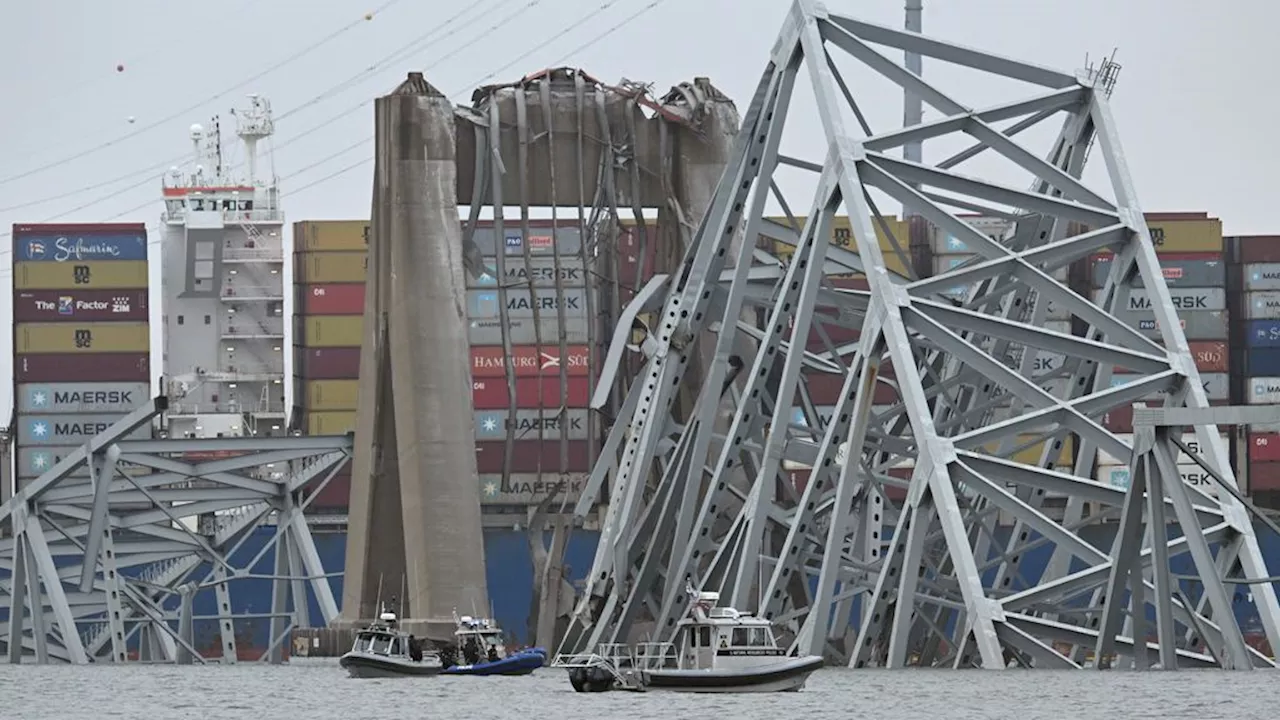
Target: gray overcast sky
(1194, 117)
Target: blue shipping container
(80, 247)
(1263, 362)
(1263, 333)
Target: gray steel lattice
(94, 566)
(704, 500)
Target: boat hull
(788, 675)
(366, 666)
(521, 663)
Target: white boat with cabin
(382, 650)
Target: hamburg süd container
(1184, 299)
(533, 424)
(531, 393)
(331, 331)
(541, 270)
(82, 338)
(1180, 270)
(80, 305)
(533, 456)
(89, 275)
(324, 395)
(332, 299)
(80, 243)
(69, 429)
(322, 268)
(82, 397)
(524, 331)
(337, 422)
(531, 489)
(1210, 355)
(484, 304)
(529, 361)
(330, 363)
(83, 367)
(331, 235)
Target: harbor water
(319, 690)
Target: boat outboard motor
(415, 649)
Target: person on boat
(493, 654)
(415, 649)
(471, 651)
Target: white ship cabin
(382, 638)
(722, 637)
(483, 632)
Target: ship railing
(251, 292)
(267, 254)
(656, 655)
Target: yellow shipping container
(95, 275)
(331, 423)
(320, 268)
(1185, 232)
(100, 337)
(332, 394)
(842, 236)
(329, 235)
(332, 331)
(1031, 454)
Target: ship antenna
(378, 610)
(404, 589)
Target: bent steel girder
(95, 562)
(986, 396)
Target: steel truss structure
(702, 498)
(112, 545)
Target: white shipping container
(1262, 276)
(1263, 305)
(1059, 326)
(1263, 391)
(1194, 475)
(1217, 386)
(947, 262)
(944, 243)
(1184, 299)
(1188, 439)
(82, 397)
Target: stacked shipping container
(81, 336)
(1259, 335)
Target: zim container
(79, 243)
(80, 305)
(532, 456)
(333, 299)
(524, 331)
(331, 331)
(1217, 386)
(337, 363)
(88, 275)
(540, 270)
(324, 395)
(323, 268)
(1180, 270)
(83, 367)
(532, 489)
(484, 304)
(528, 361)
(338, 422)
(69, 429)
(82, 397)
(82, 338)
(331, 235)
(533, 424)
(531, 393)
(1184, 299)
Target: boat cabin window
(751, 637)
(704, 636)
(760, 637)
(395, 647)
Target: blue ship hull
(520, 663)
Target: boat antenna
(377, 612)
(404, 590)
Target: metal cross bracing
(92, 568)
(936, 579)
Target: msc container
(492, 393)
(527, 489)
(1263, 362)
(1264, 477)
(1264, 447)
(1210, 325)
(79, 367)
(1188, 439)
(1217, 386)
(330, 235)
(34, 461)
(1120, 420)
(1194, 475)
(533, 456)
(335, 299)
(484, 304)
(1262, 305)
(82, 397)
(532, 424)
(80, 305)
(1184, 299)
(104, 242)
(332, 331)
(1262, 390)
(331, 423)
(1180, 270)
(69, 429)
(1262, 333)
(1210, 355)
(524, 331)
(90, 275)
(335, 495)
(330, 267)
(328, 363)
(1184, 232)
(824, 389)
(83, 338)
(528, 361)
(1262, 276)
(842, 233)
(541, 270)
(331, 395)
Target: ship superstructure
(223, 288)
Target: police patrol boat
(484, 652)
(382, 650)
(717, 650)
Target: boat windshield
(752, 637)
(378, 643)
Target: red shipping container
(1259, 248)
(1263, 477)
(101, 367)
(630, 252)
(1264, 447)
(532, 456)
(1211, 355)
(328, 363)
(332, 299)
(1120, 420)
(80, 305)
(824, 389)
(528, 361)
(492, 394)
(336, 495)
